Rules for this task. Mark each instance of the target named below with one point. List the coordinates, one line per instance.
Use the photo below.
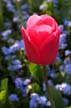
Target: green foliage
(4, 84)
(36, 71)
(69, 41)
(57, 98)
(35, 5)
(61, 76)
(2, 96)
(68, 107)
(35, 88)
(1, 15)
(4, 91)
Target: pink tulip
(41, 38)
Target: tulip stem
(48, 93)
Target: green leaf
(68, 107)
(4, 90)
(35, 88)
(4, 84)
(36, 72)
(57, 98)
(2, 96)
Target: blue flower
(62, 46)
(55, 1)
(21, 45)
(69, 24)
(14, 47)
(8, 24)
(26, 82)
(61, 68)
(13, 98)
(34, 100)
(10, 7)
(11, 41)
(5, 34)
(5, 50)
(9, 57)
(62, 38)
(66, 22)
(19, 83)
(18, 45)
(67, 52)
(24, 6)
(66, 101)
(14, 67)
(67, 61)
(42, 100)
(68, 68)
(61, 27)
(49, 0)
(58, 59)
(16, 62)
(64, 88)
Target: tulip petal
(32, 21)
(50, 47)
(39, 34)
(30, 48)
(48, 20)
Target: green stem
(19, 12)
(1, 15)
(30, 6)
(48, 93)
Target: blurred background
(21, 84)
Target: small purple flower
(33, 100)
(7, 32)
(13, 98)
(66, 101)
(61, 68)
(62, 38)
(69, 24)
(26, 82)
(42, 100)
(10, 7)
(21, 45)
(14, 47)
(61, 27)
(68, 68)
(18, 82)
(5, 50)
(16, 62)
(62, 46)
(67, 52)
(14, 67)
(11, 40)
(64, 88)
(66, 22)
(9, 57)
(67, 61)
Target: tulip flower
(41, 38)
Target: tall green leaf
(2, 96)
(57, 98)
(4, 90)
